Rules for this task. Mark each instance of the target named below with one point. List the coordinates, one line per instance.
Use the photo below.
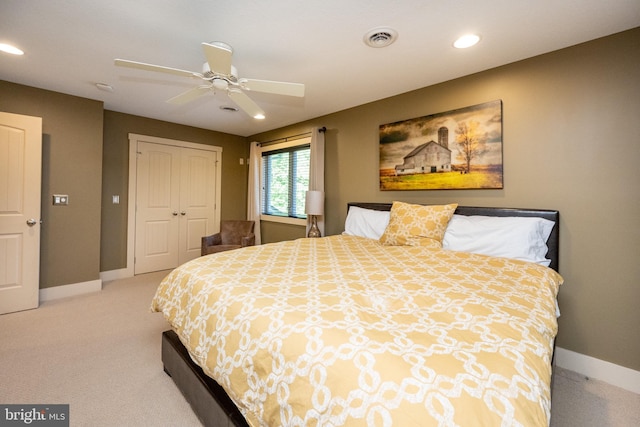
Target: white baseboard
(591, 367)
(122, 273)
(57, 292)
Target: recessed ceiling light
(467, 40)
(10, 49)
(380, 37)
(105, 87)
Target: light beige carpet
(100, 353)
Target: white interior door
(175, 204)
(20, 186)
(158, 204)
(197, 200)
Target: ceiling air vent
(380, 37)
(227, 108)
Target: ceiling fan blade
(189, 95)
(279, 88)
(218, 57)
(157, 68)
(246, 103)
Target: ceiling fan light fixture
(220, 84)
(380, 37)
(259, 116)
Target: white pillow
(366, 222)
(522, 238)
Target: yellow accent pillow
(417, 225)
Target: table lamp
(314, 206)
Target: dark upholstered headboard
(552, 243)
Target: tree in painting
(471, 141)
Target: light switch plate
(60, 199)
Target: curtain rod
(292, 137)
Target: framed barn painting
(459, 149)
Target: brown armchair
(232, 235)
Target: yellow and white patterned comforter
(344, 331)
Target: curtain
(253, 192)
(316, 170)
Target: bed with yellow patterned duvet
(346, 331)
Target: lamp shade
(314, 202)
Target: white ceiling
(71, 44)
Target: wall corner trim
(591, 367)
(64, 291)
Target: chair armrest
(214, 239)
(248, 240)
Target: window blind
(285, 180)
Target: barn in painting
(429, 157)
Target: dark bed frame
(210, 402)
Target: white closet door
(176, 203)
(158, 204)
(197, 200)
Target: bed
(358, 330)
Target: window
(285, 179)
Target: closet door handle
(174, 213)
(183, 213)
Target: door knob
(174, 213)
(183, 213)
(31, 222)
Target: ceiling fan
(219, 74)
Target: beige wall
(89, 236)
(72, 165)
(117, 127)
(571, 132)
